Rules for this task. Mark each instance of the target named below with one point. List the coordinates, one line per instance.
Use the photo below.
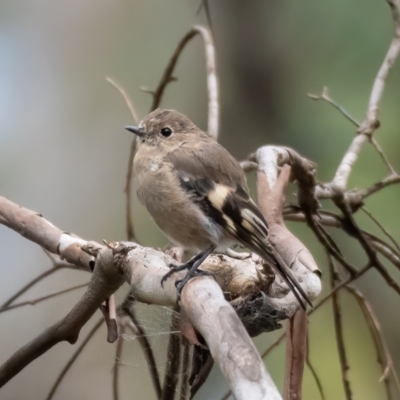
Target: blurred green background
(64, 152)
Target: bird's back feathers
(197, 192)
(220, 190)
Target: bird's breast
(182, 221)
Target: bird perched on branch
(197, 194)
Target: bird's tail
(271, 256)
(252, 230)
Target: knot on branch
(120, 251)
(369, 125)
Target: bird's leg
(193, 271)
(192, 266)
(176, 268)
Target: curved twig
(212, 79)
(71, 361)
(39, 299)
(384, 357)
(129, 173)
(117, 362)
(337, 316)
(33, 282)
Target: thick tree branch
(34, 227)
(227, 340)
(104, 282)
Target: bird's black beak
(135, 130)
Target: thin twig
(353, 228)
(389, 180)
(386, 233)
(39, 299)
(204, 3)
(337, 316)
(331, 219)
(128, 192)
(371, 123)
(33, 282)
(312, 369)
(126, 97)
(185, 369)
(173, 361)
(137, 330)
(384, 357)
(325, 97)
(296, 350)
(383, 156)
(129, 174)
(117, 362)
(212, 79)
(323, 236)
(74, 357)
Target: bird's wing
(217, 183)
(202, 157)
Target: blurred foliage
(63, 152)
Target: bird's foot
(191, 274)
(175, 268)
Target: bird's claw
(173, 269)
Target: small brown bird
(197, 194)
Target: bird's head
(163, 126)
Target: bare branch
(29, 285)
(338, 287)
(323, 236)
(313, 371)
(382, 228)
(276, 343)
(248, 166)
(371, 123)
(104, 282)
(74, 357)
(339, 334)
(129, 174)
(231, 346)
(384, 357)
(390, 180)
(185, 369)
(126, 97)
(330, 219)
(130, 321)
(271, 194)
(39, 299)
(117, 362)
(383, 156)
(212, 79)
(325, 96)
(128, 191)
(351, 227)
(296, 349)
(34, 227)
(173, 361)
(204, 3)
(202, 364)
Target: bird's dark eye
(166, 132)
